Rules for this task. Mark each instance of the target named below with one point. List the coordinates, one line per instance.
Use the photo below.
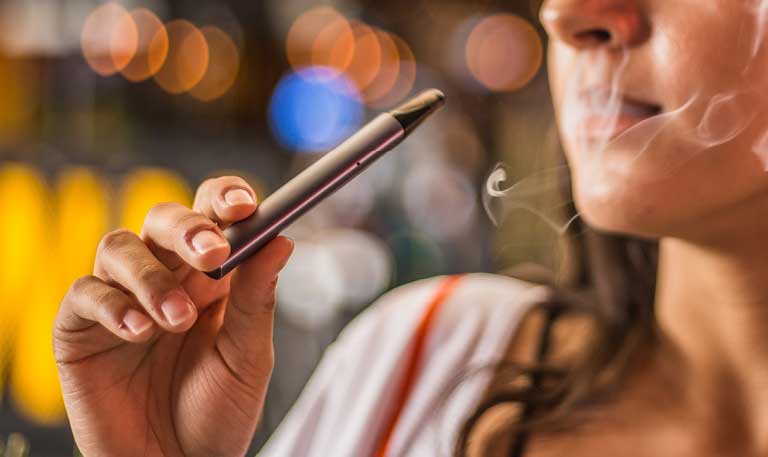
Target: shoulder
(478, 303)
(483, 290)
(474, 297)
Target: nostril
(593, 36)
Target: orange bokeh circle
(334, 46)
(223, 65)
(406, 76)
(152, 49)
(366, 59)
(109, 39)
(504, 52)
(311, 37)
(187, 60)
(389, 69)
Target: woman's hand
(157, 359)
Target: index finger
(177, 235)
(225, 200)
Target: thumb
(245, 339)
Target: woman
(660, 106)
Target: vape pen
(325, 176)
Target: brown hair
(611, 279)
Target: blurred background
(107, 108)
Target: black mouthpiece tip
(414, 111)
(216, 274)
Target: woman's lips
(604, 123)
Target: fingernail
(236, 197)
(177, 308)
(136, 322)
(208, 240)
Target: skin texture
(138, 383)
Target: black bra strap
(518, 448)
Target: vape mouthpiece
(413, 112)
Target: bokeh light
(312, 38)
(335, 45)
(338, 269)
(366, 59)
(151, 49)
(109, 39)
(389, 69)
(504, 52)
(439, 201)
(314, 109)
(83, 217)
(314, 303)
(187, 60)
(223, 66)
(365, 263)
(25, 205)
(406, 77)
(144, 188)
(380, 65)
(34, 379)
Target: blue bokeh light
(314, 109)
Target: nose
(586, 24)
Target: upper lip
(629, 104)
(609, 112)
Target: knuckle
(152, 275)
(189, 225)
(206, 185)
(107, 297)
(191, 220)
(108, 304)
(158, 210)
(115, 240)
(211, 188)
(203, 193)
(236, 181)
(74, 295)
(156, 281)
(81, 286)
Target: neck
(712, 302)
(712, 314)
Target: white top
(350, 397)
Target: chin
(622, 213)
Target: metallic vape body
(324, 177)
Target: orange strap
(443, 291)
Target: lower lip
(602, 128)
